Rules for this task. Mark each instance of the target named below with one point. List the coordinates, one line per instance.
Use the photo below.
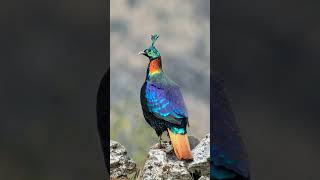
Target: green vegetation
(132, 132)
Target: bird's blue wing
(165, 102)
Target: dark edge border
(214, 74)
(103, 98)
(212, 29)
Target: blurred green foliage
(134, 133)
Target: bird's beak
(142, 52)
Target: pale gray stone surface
(163, 164)
(204, 178)
(201, 158)
(193, 141)
(120, 164)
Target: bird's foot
(161, 146)
(158, 146)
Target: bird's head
(151, 52)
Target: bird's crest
(151, 52)
(154, 38)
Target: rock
(204, 178)
(120, 164)
(193, 141)
(201, 158)
(163, 164)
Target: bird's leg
(160, 146)
(169, 137)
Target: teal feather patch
(176, 130)
(221, 174)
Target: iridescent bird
(229, 159)
(163, 105)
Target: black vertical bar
(103, 99)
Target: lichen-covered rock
(120, 164)
(201, 158)
(162, 164)
(204, 178)
(193, 141)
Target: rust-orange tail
(180, 145)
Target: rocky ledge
(163, 164)
(120, 164)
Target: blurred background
(184, 44)
(268, 54)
